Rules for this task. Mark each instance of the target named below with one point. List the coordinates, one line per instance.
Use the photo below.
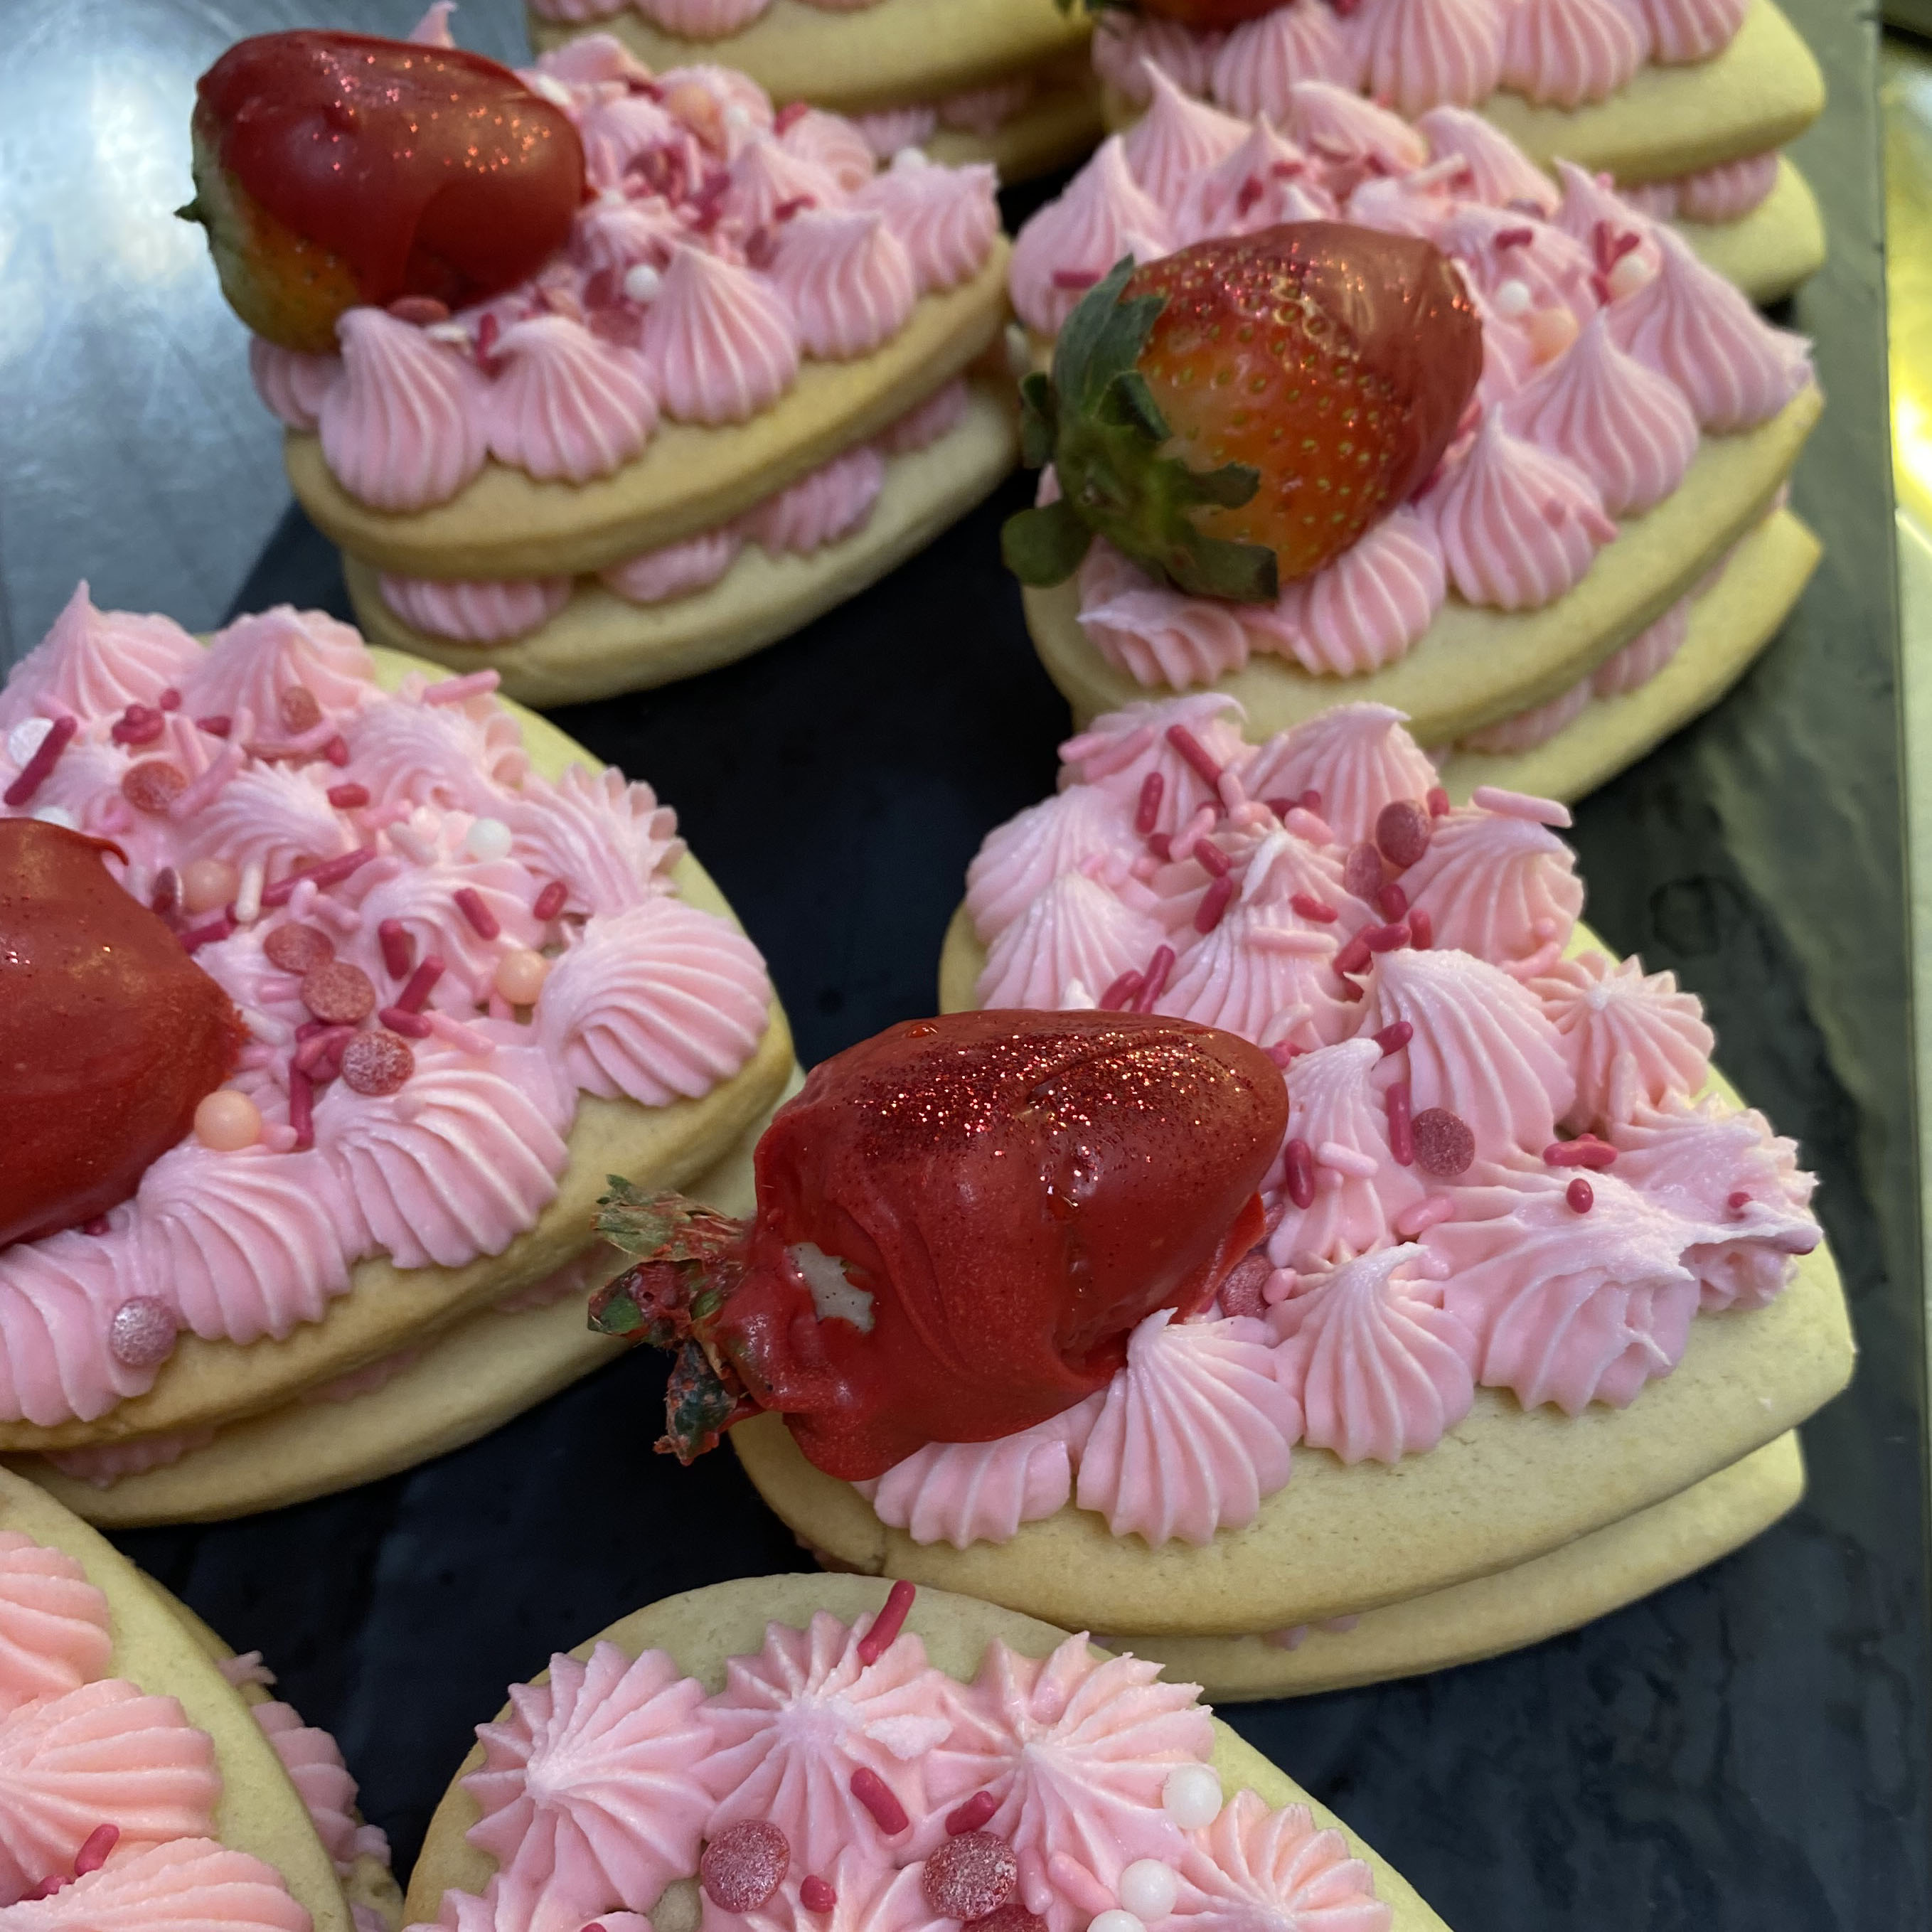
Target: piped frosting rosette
(781, 1752)
(1517, 1232)
(1685, 103)
(136, 1787)
(1634, 419)
(746, 364)
(1011, 85)
(473, 973)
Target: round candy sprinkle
(338, 993)
(227, 1121)
(297, 948)
(1581, 1196)
(1012, 1917)
(153, 785)
(970, 1876)
(744, 1865)
(815, 1895)
(377, 1063)
(487, 838)
(142, 1334)
(1362, 870)
(1148, 1889)
(1401, 832)
(1444, 1146)
(520, 975)
(206, 883)
(299, 709)
(1551, 330)
(1192, 1796)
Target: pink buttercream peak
(53, 1623)
(1563, 53)
(1634, 1040)
(946, 218)
(1256, 67)
(1177, 141)
(92, 664)
(1357, 757)
(1071, 942)
(1119, 749)
(1354, 137)
(1417, 54)
(1683, 31)
(1102, 214)
(291, 384)
(1502, 887)
(1500, 172)
(1254, 1867)
(1368, 608)
(401, 429)
(188, 1882)
(1265, 180)
(1021, 858)
(719, 343)
(564, 404)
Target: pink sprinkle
(457, 690)
(1354, 956)
(1191, 749)
(211, 934)
(399, 949)
(1393, 1038)
(487, 330)
(464, 1039)
(1311, 908)
(789, 115)
(1437, 802)
(1421, 930)
(885, 1628)
(337, 751)
(35, 772)
(872, 1792)
(347, 797)
(1284, 1052)
(1391, 901)
(217, 726)
(1401, 1132)
(549, 901)
(169, 700)
(1586, 1150)
(302, 1109)
(482, 920)
(166, 892)
(1280, 807)
(1155, 983)
(815, 1895)
(1515, 238)
(1384, 938)
(416, 995)
(1738, 1202)
(1580, 1195)
(1519, 804)
(1401, 832)
(970, 1815)
(1298, 1165)
(1212, 860)
(95, 1848)
(1418, 1219)
(1120, 997)
(316, 1050)
(1214, 904)
(98, 1226)
(399, 1019)
(331, 872)
(1161, 846)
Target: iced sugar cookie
(1488, 472)
(803, 1751)
(1003, 81)
(1313, 1221)
(401, 977)
(726, 385)
(1684, 104)
(141, 1788)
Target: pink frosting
(401, 430)
(291, 385)
(1070, 244)
(1416, 54)
(1194, 1434)
(1253, 1866)
(1600, 217)
(1265, 180)
(768, 177)
(1519, 525)
(1381, 1369)
(830, 502)
(1261, 59)
(53, 1623)
(1119, 750)
(104, 1751)
(945, 218)
(1353, 135)
(659, 1001)
(1564, 52)
(1524, 731)
(378, 1375)
(628, 129)
(847, 280)
(92, 665)
(189, 1883)
(101, 1464)
(1629, 430)
(924, 423)
(1177, 141)
(614, 233)
(1126, 46)
(1073, 941)
(795, 1723)
(834, 144)
(248, 666)
(1683, 30)
(1500, 172)
(490, 611)
(967, 1492)
(701, 20)
(564, 405)
(435, 755)
(1497, 885)
(313, 1761)
(719, 343)
(1646, 655)
(890, 132)
(605, 838)
(1357, 757)
(270, 816)
(57, 1297)
(1158, 636)
(1693, 327)
(594, 1791)
(1728, 192)
(1021, 858)
(1634, 1040)
(677, 570)
(1369, 608)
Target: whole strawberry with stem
(336, 169)
(1236, 414)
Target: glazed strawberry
(332, 169)
(959, 1223)
(109, 1034)
(1238, 414)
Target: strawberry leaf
(1129, 403)
(1039, 416)
(699, 1404)
(1045, 546)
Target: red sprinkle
(347, 797)
(99, 1226)
(482, 920)
(46, 755)
(1580, 1195)
(744, 1865)
(1074, 278)
(885, 1628)
(550, 902)
(789, 115)
(1401, 1128)
(1354, 956)
(1362, 871)
(815, 1895)
(1738, 1202)
(1391, 901)
(1212, 860)
(301, 1109)
(1515, 238)
(1120, 996)
(1284, 1052)
(94, 1849)
(1401, 832)
(412, 1026)
(1191, 748)
(153, 785)
(139, 724)
(217, 726)
(376, 1063)
(1395, 1036)
(297, 707)
(1311, 801)
(1214, 904)
(872, 1792)
(1586, 1150)
(415, 996)
(339, 993)
(399, 949)
(971, 1874)
(211, 934)
(1384, 938)
(1155, 983)
(1280, 807)
(1443, 1144)
(1311, 908)
(337, 751)
(1437, 802)
(974, 1813)
(320, 1050)
(1298, 1162)
(296, 948)
(331, 872)
(1147, 811)
(1421, 930)
(169, 700)
(167, 894)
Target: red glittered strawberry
(335, 170)
(1236, 414)
(109, 1034)
(959, 1223)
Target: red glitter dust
(297, 948)
(339, 993)
(744, 1865)
(970, 1876)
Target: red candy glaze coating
(970, 1876)
(744, 1865)
(110, 1034)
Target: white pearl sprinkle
(909, 157)
(1148, 1889)
(1512, 298)
(1630, 274)
(1192, 1796)
(58, 814)
(642, 282)
(1115, 1920)
(736, 121)
(488, 839)
(24, 740)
